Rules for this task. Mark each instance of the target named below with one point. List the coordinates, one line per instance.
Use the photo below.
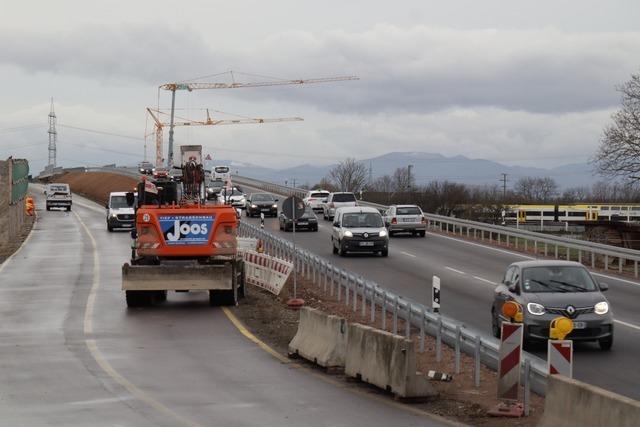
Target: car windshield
(557, 279)
(362, 220)
(321, 195)
(410, 210)
(118, 202)
(344, 197)
(262, 198)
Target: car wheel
(392, 233)
(109, 228)
(423, 233)
(335, 250)
(384, 252)
(341, 251)
(606, 343)
(314, 229)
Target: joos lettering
(184, 229)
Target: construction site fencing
(374, 301)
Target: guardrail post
(619, 264)
(363, 313)
(383, 306)
(507, 236)
(395, 316)
(635, 268)
(535, 247)
(606, 262)
(439, 340)
(527, 386)
(346, 289)
(526, 247)
(457, 349)
(568, 254)
(422, 322)
(467, 232)
(545, 248)
(580, 256)
(407, 321)
(556, 247)
(373, 304)
(476, 370)
(325, 273)
(355, 294)
(339, 284)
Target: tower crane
(159, 125)
(190, 86)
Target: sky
(521, 83)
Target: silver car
(359, 229)
(549, 289)
(405, 219)
(335, 201)
(315, 198)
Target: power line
(101, 132)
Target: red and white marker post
(509, 364)
(560, 357)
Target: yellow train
(627, 212)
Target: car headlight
(383, 233)
(348, 234)
(254, 206)
(113, 216)
(275, 206)
(535, 309)
(601, 307)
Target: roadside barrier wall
(321, 338)
(13, 189)
(385, 360)
(571, 403)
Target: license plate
(408, 220)
(579, 325)
(303, 223)
(265, 210)
(366, 243)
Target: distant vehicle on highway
(261, 203)
(233, 197)
(548, 289)
(359, 229)
(220, 173)
(335, 201)
(213, 189)
(308, 221)
(405, 219)
(119, 213)
(58, 195)
(315, 198)
(145, 168)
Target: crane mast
(190, 86)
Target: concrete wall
(571, 403)
(12, 217)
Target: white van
(58, 196)
(119, 213)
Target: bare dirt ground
(269, 318)
(97, 185)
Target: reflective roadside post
(509, 362)
(293, 207)
(435, 294)
(261, 219)
(559, 350)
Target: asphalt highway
(74, 355)
(469, 273)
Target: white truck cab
(119, 213)
(58, 196)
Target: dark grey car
(548, 289)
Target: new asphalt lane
(74, 355)
(469, 273)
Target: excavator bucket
(178, 277)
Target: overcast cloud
(485, 82)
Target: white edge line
(408, 254)
(485, 280)
(629, 325)
(455, 271)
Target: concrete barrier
(385, 360)
(571, 403)
(321, 338)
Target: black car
(265, 203)
(308, 221)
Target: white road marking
(616, 279)
(485, 280)
(88, 312)
(629, 325)
(105, 400)
(455, 271)
(408, 254)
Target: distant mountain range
(426, 167)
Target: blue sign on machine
(186, 229)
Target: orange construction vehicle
(180, 243)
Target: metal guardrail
(349, 288)
(583, 251)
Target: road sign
(560, 357)
(293, 207)
(435, 294)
